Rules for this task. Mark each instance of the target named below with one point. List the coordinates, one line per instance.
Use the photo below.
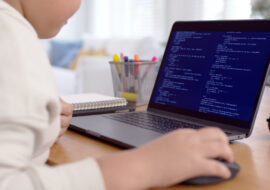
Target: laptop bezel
(215, 26)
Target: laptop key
(152, 122)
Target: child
(30, 119)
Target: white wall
(89, 19)
(237, 9)
(205, 10)
(177, 10)
(79, 23)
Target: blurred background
(101, 28)
(137, 18)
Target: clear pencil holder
(133, 80)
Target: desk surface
(252, 154)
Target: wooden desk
(252, 154)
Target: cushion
(62, 53)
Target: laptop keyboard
(152, 122)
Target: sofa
(89, 69)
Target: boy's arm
(173, 158)
(166, 161)
(29, 117)
(17, 170)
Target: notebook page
(93, 101)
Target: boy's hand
(173, 158)
(66, 116)
(185, 154)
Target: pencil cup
(133, 80)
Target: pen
(118, 66)
(125, 58)
(136, 66)
(116, 59)
(126, 67)
(130, 93)
(154, 59)
(126, 70)
(131, 78)
(122, 56)
(136, 58)
(148, 69)
(130, 96)
(136, 71)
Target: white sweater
(30, 115)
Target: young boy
(30, 119)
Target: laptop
(212, 74)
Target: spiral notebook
(94, 103)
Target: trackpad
(114, 131)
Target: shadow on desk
(73, 147)
(243, 156)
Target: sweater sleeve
(19, 141)
(29, 115)
(18, 172)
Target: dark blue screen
(213, 72)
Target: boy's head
(46, 16)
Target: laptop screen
(214, 75)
